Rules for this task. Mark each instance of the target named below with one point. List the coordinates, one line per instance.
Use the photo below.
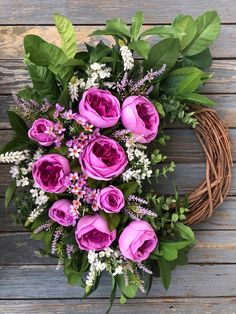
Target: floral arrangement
(87, 148)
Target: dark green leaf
(113, 294)
(10, 192)
(112, 220)
(18, 143)
(18, 124)
(128, 188)
(202, 60)
(165, 52)
(99, 52)
(44, 82)
(165, 272)
(28, 93)
(131, 290)
(68, 35)
(141, 47)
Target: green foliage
(128, 188)
(129, 291)
(141, 47)
(18, 124)
(44, 82)
(10, 193)
(112, 220)
(164, 52)
(208, 29)
(68, 35)
(135, 28)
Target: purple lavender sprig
(44, 227)
(57, 235)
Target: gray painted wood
(95, 12)
(14, 77)
(212, 247)
(45, 282)
(137, 306)
(12, 39)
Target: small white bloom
(14, 171)
(127, 57)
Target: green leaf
(182, 80)
(165, 52)
(73, 276)
(159, 107)
(10, 192)
(201, 60)
(184, 232)
(32, 44)
(74, 63)
(186, 29)
(98, 52)
(128, 188)
(118, 25)
(68, 35)
(18, 143)
(44, 82)
(165, 272)
(112, 220)
(64, 98)
(135, 28)
(169, 250)
(208, 29)
(141, 47)
(197, 98)
(131, 290)
(113, 294)
(160, 31)
(18, 124)
(28, 93)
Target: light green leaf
(131, 290)
(135, 28)
(160, 31)
(186, 29)
(197, 98)
(119, 25)
(68, 35)
(208, 29)
(44, 82)
(10, 192)
(141, 47)
(184, 232)
(189, 84)
(165, 52)
(159, 107)
(169, 250)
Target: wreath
(88, 142)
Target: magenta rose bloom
(37, 132)
(137, 241)
(60, 212)
(139, 115)
(103, 159)
(100, 107)
(111, 199)
(50, 173)
(92, 233)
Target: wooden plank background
(30, 283)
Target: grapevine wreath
(88, 149)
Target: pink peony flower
(139, 115)
(60, 212)
(42, 132)
(100, 108)
(92, 233)
(137, 241)
(103, 159)
(50, 173)
(110, 199)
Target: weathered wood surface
(29, 283)
(45, 282)
(12, 39)
(96, 12)
(158, 305)
(14, 77)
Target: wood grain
(14, 77)
(96, 12)
(45, 282)
(159, 305)
(12, 39)
(212, 247)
